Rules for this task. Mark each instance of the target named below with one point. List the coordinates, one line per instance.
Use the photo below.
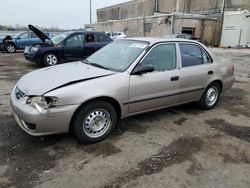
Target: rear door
(73, 47)
(159, 88)
(196, 68)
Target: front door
(159, 88)
(23, 40)
(73, 47)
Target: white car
(116, 35)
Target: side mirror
(47, 41)
(18, 38)
(143, 69)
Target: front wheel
(10, 48)
(94, 121)
(210, 96)
(50, 59)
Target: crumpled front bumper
(56, 121)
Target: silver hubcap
(51, 59)
(97, 123)
(212, 96)
(10, 48)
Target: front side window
(59, 38)
(75, 40)
(162, 57)
(33, 35)
(25, 35)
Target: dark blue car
(19, 41)
(65, 47)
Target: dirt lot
(177, 147)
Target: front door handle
(210, 72)
(175, 78)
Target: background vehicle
(183, 36)
(19, 41)
(116, 35)
(65, 47)
(125, 78)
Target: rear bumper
(228, 83)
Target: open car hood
(40, 34)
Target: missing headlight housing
(41, 103)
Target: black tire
(10, 48)
(86, 128)
(204, 102)
(50, 59)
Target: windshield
(59, 38)
(118, 55)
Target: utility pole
(222, 19)
(90, 11)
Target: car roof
(83, 32)
(153, 40)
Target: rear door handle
(210, 72)
(175, 78)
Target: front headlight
(41, 103)
(34, 49)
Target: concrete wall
(205, 28)
(132, 9)
(140, 8)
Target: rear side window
(191, 55)
(101, 37)
(162, 57)
(89, 38)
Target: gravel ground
(176, 147)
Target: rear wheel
(50, 59)
(10, 48)
(210, 96)
(94, 121)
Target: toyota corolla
(125, 78)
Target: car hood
(40, 34)
(47, 79)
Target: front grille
(18, 93)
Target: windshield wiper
(98, 65)
(86, 61)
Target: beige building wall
(204, 28)
(140, 8)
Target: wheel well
(53, 52)
(111, 100)
(219, 82)
(10, 42)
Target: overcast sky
(67, 14)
